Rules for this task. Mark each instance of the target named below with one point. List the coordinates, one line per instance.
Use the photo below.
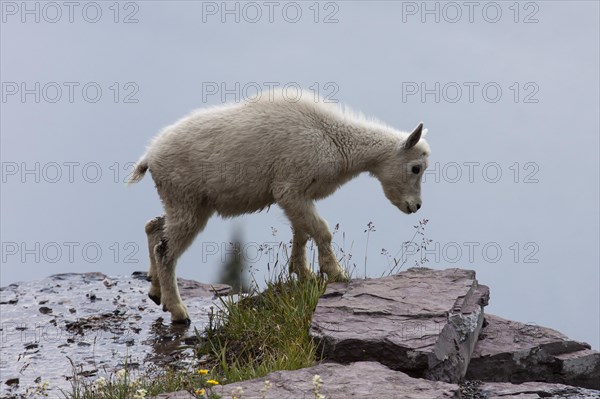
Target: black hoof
(185, 322)
(165, 308)
(155, 299)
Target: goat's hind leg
(154, 231)
(180, 229)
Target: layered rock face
(429, 324)
(517, 352)
(424, 322)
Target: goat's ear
(414, 137)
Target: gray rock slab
(374, 380)
(98, 322)
(357, 380)
(534, 390)
(423, 322)
(518, 352)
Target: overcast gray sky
(509, 93)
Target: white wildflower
(140, 394)
(237, 393)
(121, 374)
(317, 381)
(100, 382)
(266, 388)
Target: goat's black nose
(418, 206)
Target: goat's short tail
(138, 172)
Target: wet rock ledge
(94, 321)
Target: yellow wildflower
(199, 391)
(202, 372)
(212, 382)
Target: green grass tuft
(266, 332)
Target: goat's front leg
(298, 263)
(304, 217)
(154, 231)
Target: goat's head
(400, 173)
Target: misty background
(509, 92)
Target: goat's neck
(367, 147)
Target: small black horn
(414, 137)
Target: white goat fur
(240, 158)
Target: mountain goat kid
(241, 158)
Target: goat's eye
(416, 169)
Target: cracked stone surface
(423, 322)
(517, 352)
